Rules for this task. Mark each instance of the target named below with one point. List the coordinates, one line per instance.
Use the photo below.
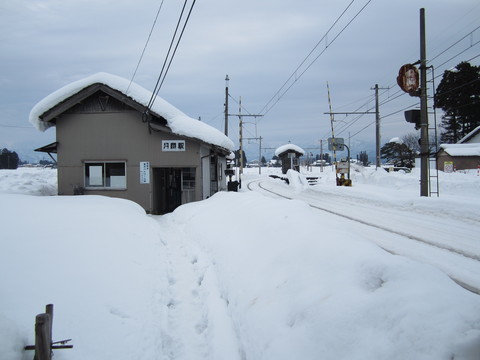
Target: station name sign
(173, 145)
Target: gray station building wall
(123, 136)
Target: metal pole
(240, 134)
(377, 129)
(226, 104)
(260, 157)
(321, 155)
(424, 148)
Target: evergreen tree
(237, 157)
(399, 154)
(363, 158)
(263, 161)
(458, 95)
(8, 159)
(326, 157)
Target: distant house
(289, 155)
(460, 156)
(108, 142)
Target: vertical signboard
(448, 166)
(144, 172)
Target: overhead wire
(146, 44)
(150, 102)
(176, 47)
(16, 126)
(460, 53)
(399, 93)
(308, 55)
(455, 43)
(169, 58)
(279, 94)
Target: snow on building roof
(288, 147)
(469, 149)
(178, 122)
(471, 135)
(396, 140)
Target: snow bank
(296, 289)
(31, 181)
(238, 276)
(178, 122)
(96, 259)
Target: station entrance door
(172, 187)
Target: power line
(150, 102)
(460, 53)
(306, 57)
(176, 46)
(162, 75)
(399, 93)
(279, 94)
(145, 47)
(455, 43)
(16, 126)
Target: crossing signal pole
(414, 82)
(424, 148)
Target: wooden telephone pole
(226, 104)
(377, 126)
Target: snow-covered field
(240, 275)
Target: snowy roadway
(440, 238)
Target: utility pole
(260, 157)
(226, 104)
(377, 121)
(240, 135)
(377, 129)
(259, 152)
(321, 155)
(424, 148)
(377, 126)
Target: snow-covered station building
(110, 142)
(289, 155)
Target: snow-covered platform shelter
(110, 142)
(290, 155)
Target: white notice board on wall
(144, 172)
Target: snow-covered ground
(240, 275)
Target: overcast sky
(46, 44)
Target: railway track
(257, 184)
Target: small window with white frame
(105, 175)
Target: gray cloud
(47, 44)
